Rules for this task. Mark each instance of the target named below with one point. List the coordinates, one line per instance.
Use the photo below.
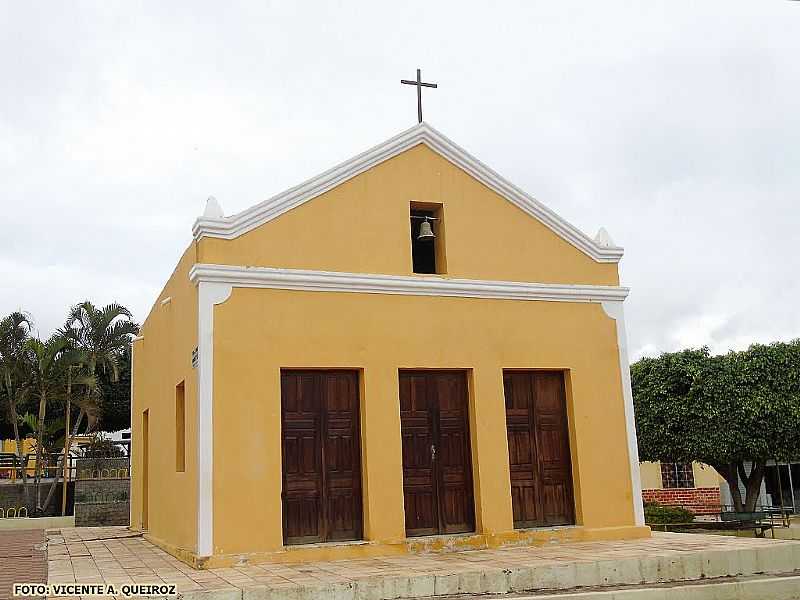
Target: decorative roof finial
(603, 238)
(213, 209)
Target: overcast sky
(675, 125)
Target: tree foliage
(725, 411)
(103, 335)
(15, 330)
(49, 374)
(116, 395)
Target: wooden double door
(538, 448)
(437, 466)
(321, 456)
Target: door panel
(525, 500)
(552, 442)
(419, 478)
(437, 469)
(452, 457)
(302, 453)
(538, 448)
(321, 456)
(342, 457)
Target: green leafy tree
(725, 411)
(15, 331)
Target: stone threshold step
(780, 587)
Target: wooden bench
(759, 522)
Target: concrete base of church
(308, 553)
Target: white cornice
(329, 281)
(236, 225)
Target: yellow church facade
(406, 352)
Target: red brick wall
(701, 501)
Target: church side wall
(161, 360)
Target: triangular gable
(235, 225)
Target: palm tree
(49, 363)
(15, 331)
(101, 335)
(76, 376)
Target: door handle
(433, 452)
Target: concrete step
(758, 587)
(785, 587)
(736, 573)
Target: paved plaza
(23, 559)
(117, 556)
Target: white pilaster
(616, 311)
(209, 295)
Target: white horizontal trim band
(236, 225)
(331, 281)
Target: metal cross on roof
(420, 84)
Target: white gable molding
(332, 281)
(236, 225)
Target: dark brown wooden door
(321, 456)
(437, 466)
(538, 448)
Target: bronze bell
(425, 231)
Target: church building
(405, 353)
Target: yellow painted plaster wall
(362, 226)
(257, 332)
(161, 360)
(650, 475)
(704, 476)
(9, 446)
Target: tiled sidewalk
(114, 555)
